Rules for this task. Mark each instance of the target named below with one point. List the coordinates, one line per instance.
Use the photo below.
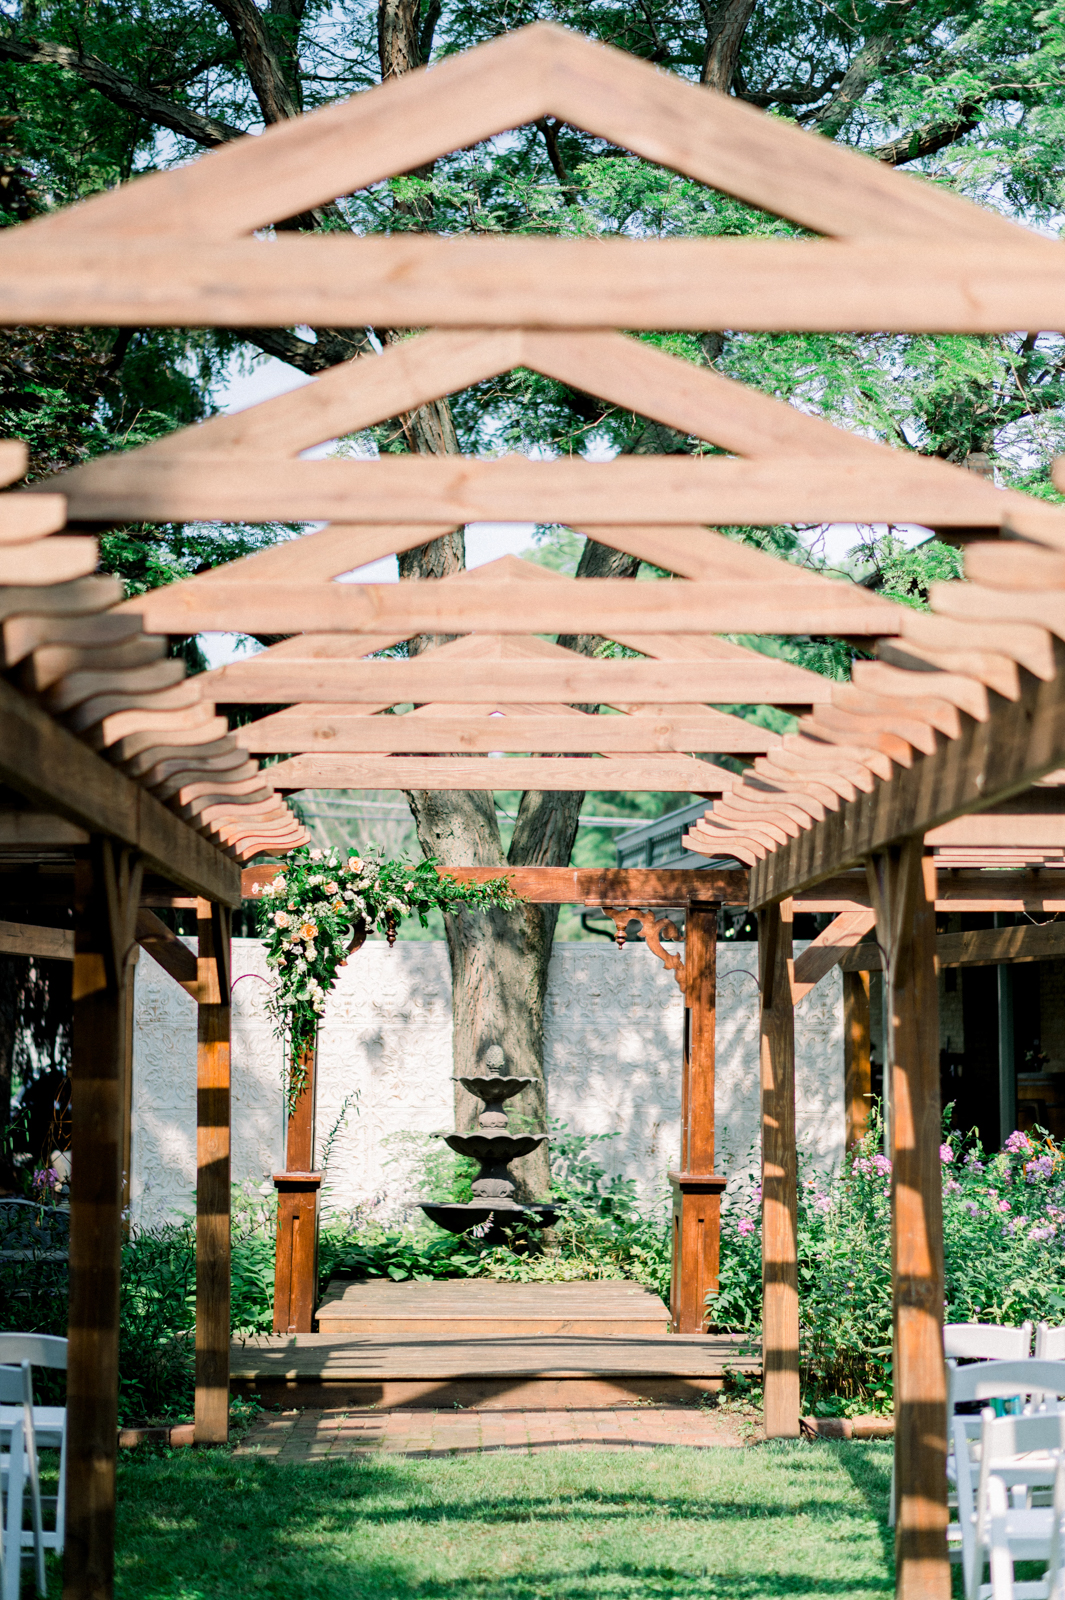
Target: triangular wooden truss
(897, 253)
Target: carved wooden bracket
(654, 929)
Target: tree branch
(120, 90)
(854, 84)
(931, 136)
(266, 73)
(724, 36)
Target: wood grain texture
(51, 944)
(164, 946)
(780, 1283)
(46, 561)
(450, 489)
(906, 932)
(212, 1174)
(678, 774)
(572, 734)
(857, 1057)
(55, 771)
(576, 681)
(828, 950)
(981, 947)
(989, 762)
(638, 886)
(417, 281)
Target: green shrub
(1004, 1230)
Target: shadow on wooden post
(696, 1189)
(780, 1278)
(106, 894)
(296, 1260)
(212, 1174)
(857, 1057)
(906, 931)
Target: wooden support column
(696, 1188)
(106, 893)
(857, 1056)
(212, 1173)
(902, 886)
(296, 1262)
(780, 1278)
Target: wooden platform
(486, 1365)
(475, 1309)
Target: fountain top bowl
(494, 1087)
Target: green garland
(314, 911)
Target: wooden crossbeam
(598, 605)
(977, 947)
(828, 951)
(990, 761)
(415, 281)
(164, 946)
(48, 944)
(578, 681)
(338, 731)
(1009, 831)
(56, 771)
(418, 489)
(663, 773)
(637, 886)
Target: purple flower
(882, 1165)
(756, 1194)
(45, 1180)
(745, 1227)
(1045, 1230)
(951, 1187)
(946, 1153)
(1041, 1167)
(972, 1208)
(822, 1202)
(1018, 1144)
(1003, 1205)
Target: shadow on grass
(215, 1526)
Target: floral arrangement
(321, 906)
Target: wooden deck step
(476, 1308)
(563, 1372)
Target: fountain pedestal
(494, 1214)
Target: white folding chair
(1030, 1382)
(1049, 1343)
(19, 1471)
(988, 1341)
(1015, 1453)
(49, 1422)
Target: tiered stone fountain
(494, 1212)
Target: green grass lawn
(775, 1519)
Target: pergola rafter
(963, 711)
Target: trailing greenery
(324, 901)
(1004, 1232)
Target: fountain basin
(494, 1088)
(494, 1148)
(504, 1218)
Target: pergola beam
(991, 761)
(53, 769)
(667, 773)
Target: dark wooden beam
(991, 761)
(167, 949)
(977, 947)
(49, 944)
(44, 761)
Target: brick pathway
(304, 1436)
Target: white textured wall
(612, 1055)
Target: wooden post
(780, 1277)
(857, 1056)
(106, 893)
(696, 1189)
(212, 1173)
(296, 1260)
(906, 930)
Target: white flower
(310, 951)
(407, 887)
(316, 855)
(349, 894)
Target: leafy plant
(311, 913)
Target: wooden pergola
(864, 812)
